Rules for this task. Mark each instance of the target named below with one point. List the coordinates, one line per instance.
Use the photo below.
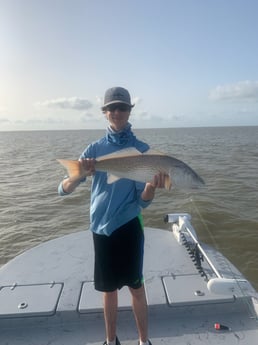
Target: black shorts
(119, 257)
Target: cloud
(87, 117)
(136, 100)
(99, 100)
(4, 120)
(72, 103)
(141, 114)
(175, 117)
(242, 90)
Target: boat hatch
(91, 299)
(29, 300)
(190, 289)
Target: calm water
(225, 213)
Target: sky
(186, 63)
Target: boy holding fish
(115, 215)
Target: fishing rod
(189, 228)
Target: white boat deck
(47, 297)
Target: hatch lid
(191, 289)
(91, 300)
(29, 300)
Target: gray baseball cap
(117, 95)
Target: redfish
(142, 167)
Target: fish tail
(74, 168)
(168, 183)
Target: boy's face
(118, 115)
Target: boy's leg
(140, 309)
(110, 314)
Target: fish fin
(112, 178)
(128, 152)
(74, 168)
(168, 182)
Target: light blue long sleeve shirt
(113, 205)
